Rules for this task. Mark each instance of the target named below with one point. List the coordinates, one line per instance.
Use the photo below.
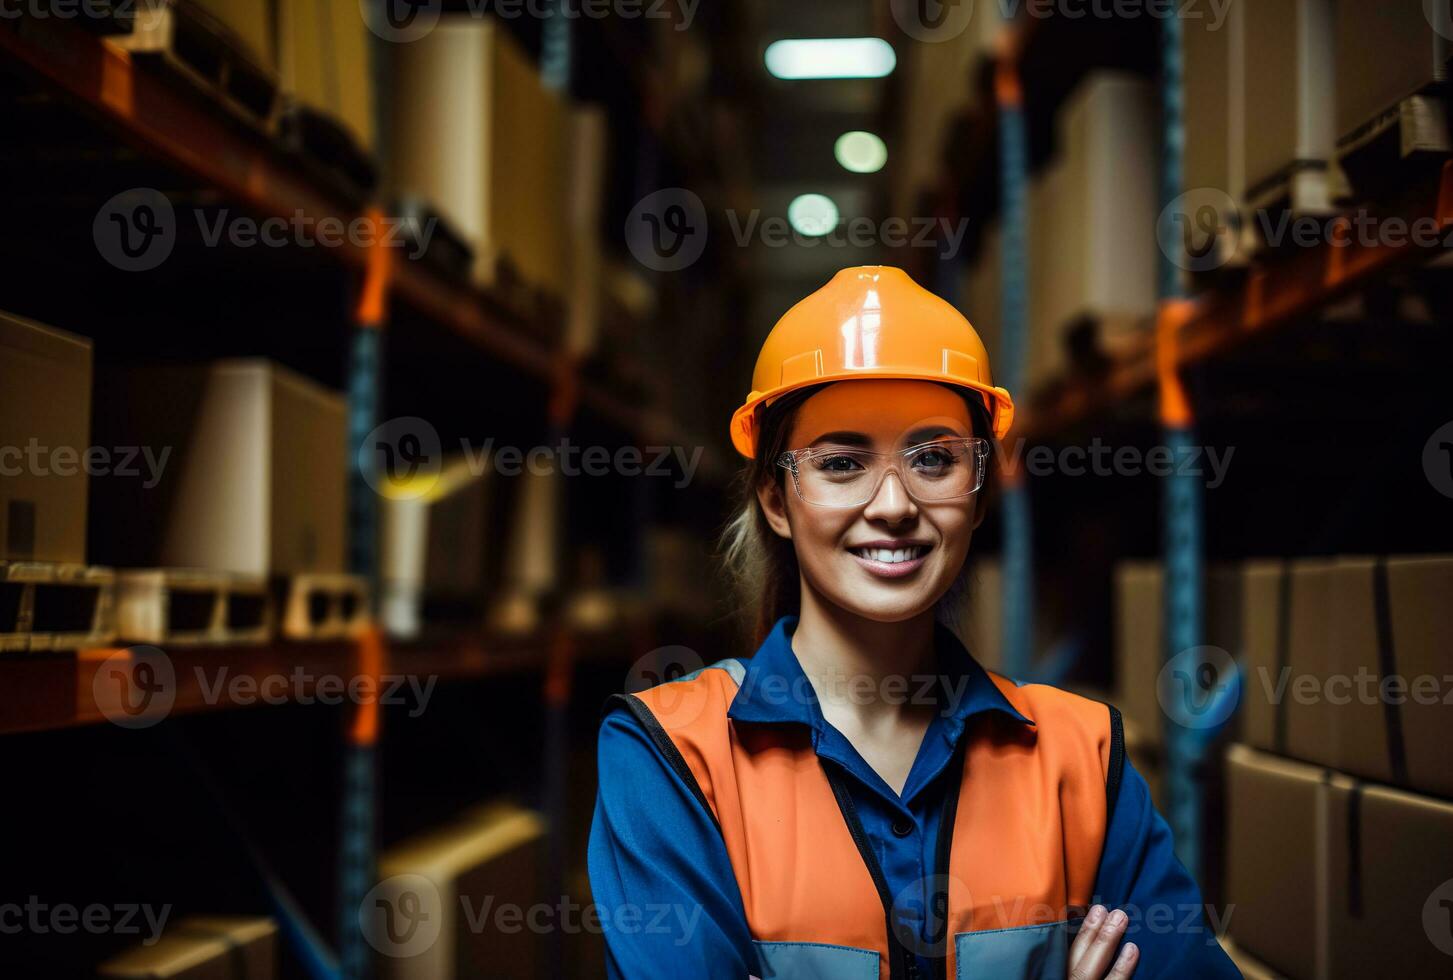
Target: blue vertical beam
(1182, 530)
(1018, 571)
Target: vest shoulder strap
(685, 719)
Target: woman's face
(836, 547)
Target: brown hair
(761, 565)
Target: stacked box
(255, 473)
(1345, 663)
(1391, 883)
(982, 292)
(251, 22)
(202, 948)
(325, 62)
(475, 880)
(1215, 121)
(1386, 52)
(1288, 103)
(45, 404)
(1110, 135)
(589, 138)
(1277, 861)
(477, 133)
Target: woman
(860, 799)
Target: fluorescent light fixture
(831, 57)
(813, 215)
(860, 152)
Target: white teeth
(890, 556)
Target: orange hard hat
(872, 321)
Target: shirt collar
(774, 688)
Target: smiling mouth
(892, 556)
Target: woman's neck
(859, 664)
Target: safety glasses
(944, 469)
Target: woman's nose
(891, 502)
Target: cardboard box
(590, 158)
(202, 948)
(1385, 53)
(256, 477)
(1049, 287)
(1288, 102)
(1106, 208)
(45, 403)
(477, 133)
(325, 62)
(1276, 854)
(250, 22)
(1139, 645)
(982, 292)
(434, 548)
(1391, 863)
(1422, 621)
(1311, 716)
(467, 878)
(1214, 79)
(1266, 591)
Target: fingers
(1095, 946)
(1125, 963)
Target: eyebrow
(848, 438)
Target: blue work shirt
(663, 883)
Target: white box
(1385, 52)
(476, 133)
(255, 480)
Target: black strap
(663, 742)
(1387, 666)
(1117, 764)
(1354, 851)
(901, 965)
(1283, 654)
(943, 849)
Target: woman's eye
(838, 463)
(935, 459)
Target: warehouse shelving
(180, 129)
(58, 687)
(1271, 295)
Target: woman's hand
(1094, 947)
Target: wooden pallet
(49, 606)
(322, 606)
(187, 607)
(178, 37)
(1409, 139)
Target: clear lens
(942, 470)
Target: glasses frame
(979, 446)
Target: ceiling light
(831, 57)
(860, 152)
(813, 215)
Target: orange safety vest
(1019, 844)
